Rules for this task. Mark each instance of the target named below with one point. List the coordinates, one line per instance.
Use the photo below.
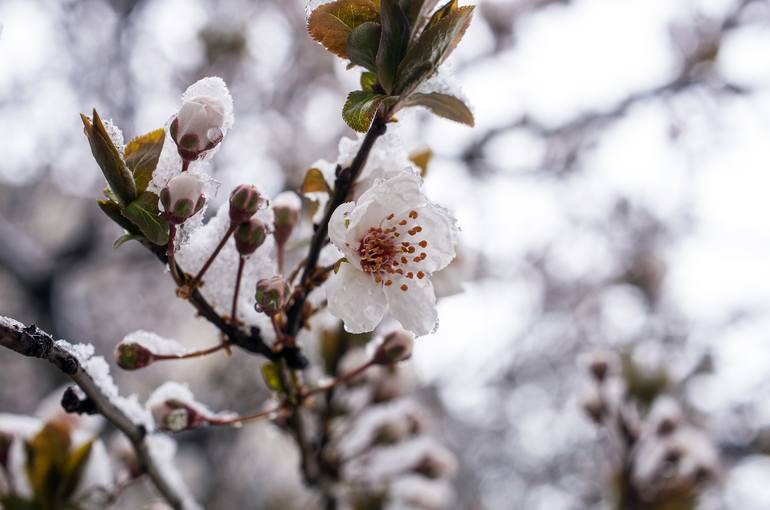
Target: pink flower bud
(286, 210)
(272, 294)
(249, 236)
(182, 197)
(132, 356)
(198, 127)
(245, 201)
(396, 347)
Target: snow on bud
(245, 201)
(198, 127)
(249, 236)
(133, 356)
(286, 211)
(272, 294)
(204, 118)
(182, 197)
(396, 347)
(174, 408)
(175, 416)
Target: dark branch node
(71, 403)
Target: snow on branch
(91, 374)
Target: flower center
(382, 253)
(378, 251)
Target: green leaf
(394, 39)
(142, 154)
(271, 373)
(330, 24)
(431, 49)
(143, 213)
(74, 467)
(46, 457)
(109, 159)
(360, 108)
(443, 105)
(315, 182)
(120, 241)
(368, 81)
(417, 9)
(441, 13)
(363, 43)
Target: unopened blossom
(245, 201)
(286, 208)
(249, 236)
(203, 119)
(393, 238)
(271, 295)
(182, 197)
(396, 347)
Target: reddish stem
(197, 279)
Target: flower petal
(439, 231)
(354, 297)
(415, 307)
(338, 230)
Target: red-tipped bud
(198, 127)
(249, 236)
(133, 356)
(286, 210)
(272, 294)
(396, 347)
(174, 415)
(182, 197)
(245, 201)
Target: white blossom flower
(204, 118)
(393, 239)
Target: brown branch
(343, 184)
(250, 341)
(35, 343)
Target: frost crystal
(219, 281)
(116, 136)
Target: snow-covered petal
(355, 298)
(412, 302)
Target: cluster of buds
(272, 294)
(250, 232)
(377, 428)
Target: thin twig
(197, 279)
(339, 380)
(33, 342)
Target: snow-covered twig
(33, 342)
